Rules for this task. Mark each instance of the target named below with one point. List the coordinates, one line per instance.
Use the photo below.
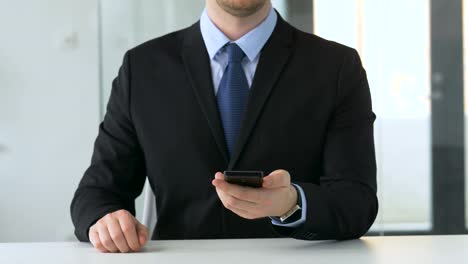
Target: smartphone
(245, 178)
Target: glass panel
(399, 76)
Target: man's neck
(236, 27)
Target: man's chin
(241, 8)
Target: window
(393, 39)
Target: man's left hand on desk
(276, 197)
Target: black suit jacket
(309, 112)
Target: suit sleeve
(344, 203)
(116, 175)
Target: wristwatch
(294, 214)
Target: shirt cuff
(303, 211)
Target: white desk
(392, 250)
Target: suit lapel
(197, 65)
(273, 59)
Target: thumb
(277, 179)
(143, 233)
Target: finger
(96, 242)
(106, 239)
(234, 202)
(229, 205)
(277, 179)
(219, 176)
(223, 197)
(117, 235)
(240, 192)
(243, 214)
(143, 234)
(128, 227)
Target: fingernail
(268, 183)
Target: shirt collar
(251, 43)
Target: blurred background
(58, 59)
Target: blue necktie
(232, 95)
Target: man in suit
(239, 90)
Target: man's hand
(276, 197)
(118, 232)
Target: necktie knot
(235, 53)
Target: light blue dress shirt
(252, 44)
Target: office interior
(58, 59)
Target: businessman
(239, 90)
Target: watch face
(294, 217)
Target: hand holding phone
(245, 178)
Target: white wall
(49, 113)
